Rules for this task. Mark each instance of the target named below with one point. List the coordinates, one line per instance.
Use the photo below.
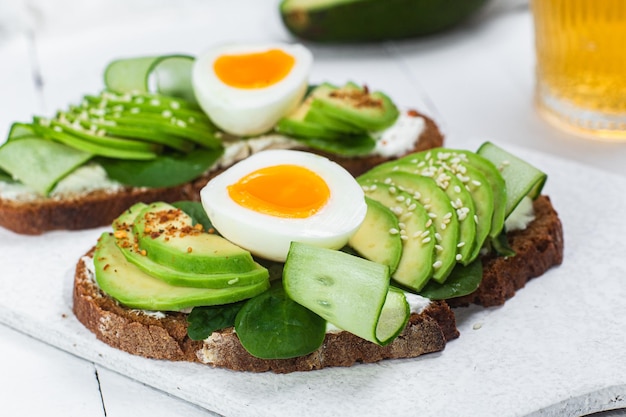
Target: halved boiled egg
(274, 197)
(246, 89)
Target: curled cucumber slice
(350, 292)
(169, 75)
(521, 178)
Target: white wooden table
(476, 81)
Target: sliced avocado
(460, 200)
(295, 124)
(357, 106)
(135, 289)
(438, 205)
(168, 237)
(378, 237)
(416, 232)
(434, 164)
(496, 181)
(125, 240)
(314, 115)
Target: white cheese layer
(521, 216)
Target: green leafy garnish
(197, 213)
(462, 280)
(500, 245)
(272, 326)
(205, 320)
(165, 170)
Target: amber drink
(581, 65)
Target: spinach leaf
(205, 320)
(197, 213)
(272, 326)
(501, 245)
(166, 170)
(462, 280)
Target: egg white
(246, 112)
(268, 236)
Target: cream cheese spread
(521, 216)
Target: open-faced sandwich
(291, 264)
(260, 223)
(147, 137)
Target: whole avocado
(372, 20)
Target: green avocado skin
(373, 20)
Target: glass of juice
(581, 65)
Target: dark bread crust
(86, 211)
(166, 338)
(100, 208)
(538, 248)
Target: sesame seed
(437, 264)
(400, 198)
(426, 240)
(429, 223)
(412, 207)
(432, 215)
(393, 231)
(460, 244)
(403, 237)
(459, 257)
(439, 247)
(425, 233)
(476, 183)
(438, 237)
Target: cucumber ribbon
(350, 292)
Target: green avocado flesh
(136, 289)
(444, 218)
(168, 237)
(378, 237)
(372, 20)
(417, 234)
(355, 105)
(459, 199)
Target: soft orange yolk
(254, 70)
(288, 191)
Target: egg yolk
(254, 70)
(288, 191)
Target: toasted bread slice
(538, 247)
(101, 207)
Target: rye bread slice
(100, 208)
(164, 335)
(539, 247)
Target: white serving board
(556, 348)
